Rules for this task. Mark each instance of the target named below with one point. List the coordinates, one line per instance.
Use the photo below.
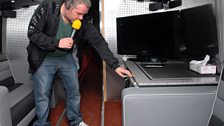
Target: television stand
(173, 73)
(147, 59)
(153, 65)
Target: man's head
(76, 9)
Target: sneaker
(82, 124)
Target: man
(50, 52)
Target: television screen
(187, 34)
(199, 32)
(149, 36)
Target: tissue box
(203, 69)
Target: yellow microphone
(76, 25)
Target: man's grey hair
(86, 2)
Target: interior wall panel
(17, 41)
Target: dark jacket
(42, 34)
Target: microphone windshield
(76, 24)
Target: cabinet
(162, 96)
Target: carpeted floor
(91, 103)
(112, 113)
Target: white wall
(16, 42)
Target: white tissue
(202, 62)
(202, 67)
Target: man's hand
(66, 43)
(121, 71)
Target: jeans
(43, 78)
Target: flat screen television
(148, 36)
(183, 35)
(198, 32)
